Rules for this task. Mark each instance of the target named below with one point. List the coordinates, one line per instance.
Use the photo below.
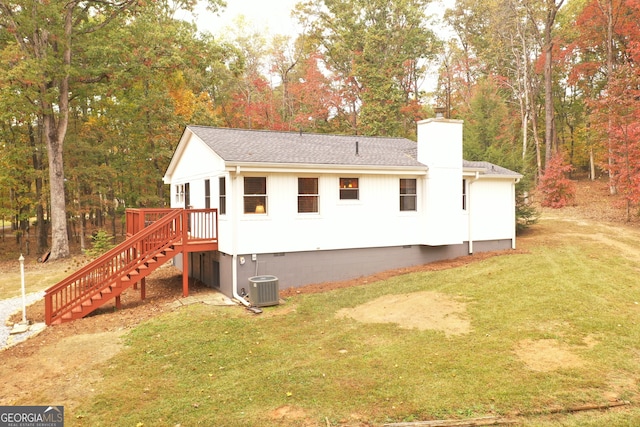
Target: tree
(552, 7)
(50, 40)
(45, 36)
(375, 51)
(556, 188)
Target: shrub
(102, 242)
(556, 189)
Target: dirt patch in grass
(288, 412)
(70, 363)
(418, 310)
(546, 355)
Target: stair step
(144, 255)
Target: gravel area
(8, 308)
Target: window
(187, 196)
(464, 194)
(207, 194)
(349, 189)
(307, 195)
(255, 195)
(408, 198)
(179, 193)
(222, 190)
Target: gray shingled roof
(489, 168)
(264, 146)
(240, 145)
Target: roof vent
(357, 149)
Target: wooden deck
(154, 236)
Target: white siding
(440, 148)
(196, 163)
(375, 220)
(492, 207)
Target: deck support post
(118, 303)
(185, 254)
(143, 288)
(185, 274)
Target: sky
(271, 16)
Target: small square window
(349, 189)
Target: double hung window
(255, 195)
(349, 189)
(307, 195)
(408, 195)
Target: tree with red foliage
(556, 188)
(621, 107)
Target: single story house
(310, 208)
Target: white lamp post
(24, 297)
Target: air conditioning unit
(264, 291)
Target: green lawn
(297, 364)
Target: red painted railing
(201, 223)
(150, 232)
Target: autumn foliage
(556, 189)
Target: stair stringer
(109, 275)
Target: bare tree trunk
(55, 133)
(608, 11)
(550, 134)
(42, 231)
(60, 239)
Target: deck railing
(149, 232)
(202, 224)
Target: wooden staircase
(150, 243)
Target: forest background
(94, 95)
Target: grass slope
(297, 364)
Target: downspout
(234, 233)
(469, 222)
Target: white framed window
(255, 195)
(179, 193)
(207, 194)
(308, 195)
(349, 189)
(222, 187)
(464, 194)
(408, 194)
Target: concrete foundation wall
(296, 269)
